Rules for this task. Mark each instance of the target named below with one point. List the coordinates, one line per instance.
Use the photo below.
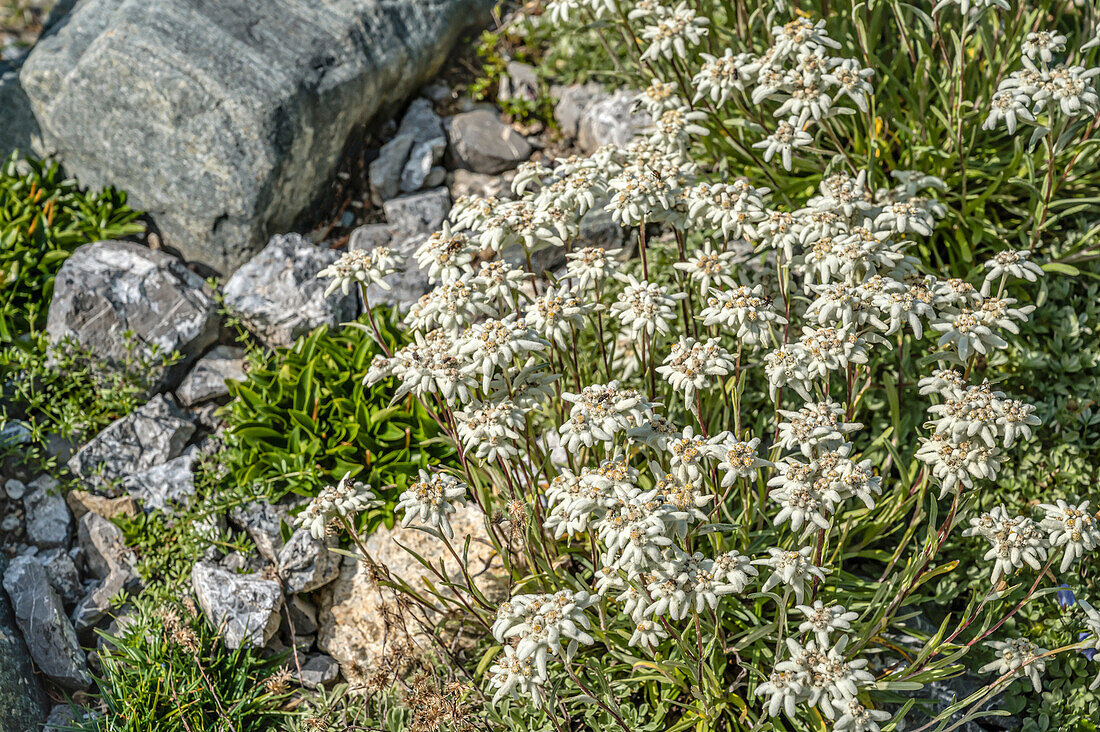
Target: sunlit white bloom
(431, 500)
(362, 267)
(968, 334)
(557, 314)
(817, 426)
(739, 460)
(647, 634)
(786, 366)
(788, 136)
(344, 500)
(1017, 655)
(855, 717)
(916, 215)
(821, 620)
(956, 464)
(515, 677)
(545, 625)
(491, 429)
(451, 306)
(733, 571)
(688, 453)
(691, 365)
(1016, 541)
(672, 31)
(719, 77)
(852, 80)
(644, 307)
(446, 255)
(499, 281)
(591, 266)
(795, 569)
(745, 311)
(1043, 45)
(494, 344)
(1073, 528)
(1010, 264)
(708, 267)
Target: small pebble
(15, 489)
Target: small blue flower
(1066, 597)
(1086, 652)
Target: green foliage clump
(63, 391)
(494, 50)
(303, 418)
(1055, 362)
(43, 218)
(167, 671)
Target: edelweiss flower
(591, 266)
(1072, 527)
(645, 308)
(515, 677)
(787, 136)
(690, 365)
(1010, 264)
(541, 623)
(1017, 654)
(673, 31)
(431, 501)
(345, 500)
(359, 266)
(1016, 541)
(792, 568)
(822, 620)
(739, 459)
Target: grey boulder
(47, 518)
(418, 213)
(225, 120)
(63, 575)
(278, 295)
(105, 550)
(384, 173)
(154, 434)
(206, 380)
(243, 607)
(15, 433)
(405, 163)
(21, 699)
(164, 487)
(422, 161)
(40, 615)
(596, 118)
(306, 564)
(111, 562)
(262, 521)
(110, 288)
(319, 670)
(421, 122)
(482, 143)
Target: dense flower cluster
(588, 394)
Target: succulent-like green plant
(44, 216)
(302, 419)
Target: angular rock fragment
(306, 564)
(40, 615)
(243, 607)
(154, 434)
(277, 293)
(47, 518)
(109, 289)
(206, 380)
(481, 142)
